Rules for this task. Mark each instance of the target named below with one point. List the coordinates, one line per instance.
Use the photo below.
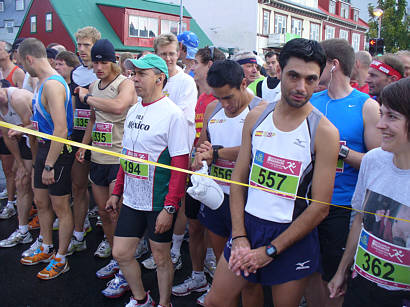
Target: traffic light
(380, 46)
(372, 46)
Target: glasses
(164, 55)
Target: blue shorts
(298, 261)
(218, 221)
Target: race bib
(35, 127)
(222, 169)
(102, 134)
(135, 169)
(340, 163)
(81, 118)
(382, 262)
(278, 174)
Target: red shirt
(200, 108)
(363, 89)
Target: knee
(122, 254)
(195, 229)
(78, 189)
(162, 258)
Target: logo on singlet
(299, 143)
(138, 125)
(266, 134)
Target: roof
(360, 22)
(76, 14)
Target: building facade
(11, 16)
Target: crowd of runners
(314, 125)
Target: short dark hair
(305, 49)
(225, 72)
(34, 47)
(270, 54)
(396, 96)
(393, 61)
(341, 50)
(210, 53)
(69, 58)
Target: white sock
(62, 257)
(198, 275)
(176, 244)
(79, 235)
(23, 228)
(47, 247)
(210, 253)
(11, 203)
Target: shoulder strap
(269, 109)
(254, 102)
(259, 89)
(218, 107)
(313, 120)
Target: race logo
(266, 134)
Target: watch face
(270, 250)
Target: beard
(293, 103)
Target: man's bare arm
(18, 77)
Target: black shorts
(62, 170)
(133, 223)
(25, 151)
(333, 232)
(362, 292)
(192, 205)
(87, 155)
(3, 148)
(103, 174)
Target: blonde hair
(115, 68)
(88, 32)
(164, 40)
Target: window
(356, 41)
(314, 31)
(19, 5)
(266, 22)
(170, 26)
(2, 6)
(33, 24)
(49, 22)
(330, 32)
(332, 7)
(9, 25)
(296, 26)
(344, 10)
(355, 15)
(280, 23)
(344, 34)
(144, 27)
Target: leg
(314, 292)
(101, 195)
(165, 270)
(226, 286)
(124, 252)
(7, 162)
(218, 244)
(294, 288)
(45, 214)
(81, 196)
(197, 248)
(61, 206)
(252, 295)
(24, 196)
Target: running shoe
(56, 224)
(116, 287)
(37, 243)
(176, 261)
(15, 238)
(54, 269)
(190, 285)
(149, 263)
(201, 300)
(76, 246)
(7, 212)
(87, 226)
(142, 248)
(103, 249)
(109, 270)
(99, 222)
(210, 265)
(4, 194)
(34, 223)
(148, 303)
(37, 256)
(93, 213)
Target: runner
(188, 46)
(378, 245)
(269, 88)
(52, 114)
(404, 56)
(16, 108)
(10, 71)
(66, 62)
(250, 67)
(355, 116)
(155, 130)
(360, 71)
(274, 240)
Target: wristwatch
(215, 155)
(170, 209)
(343, 152)
(271, 251)
(48, 168)
(86, 98)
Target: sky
(362, 5)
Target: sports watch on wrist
(48, 168)
(215, 155)
(86, 98)
(170, 209)
(271, 251)
(343, 152)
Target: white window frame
(330, 32)
(9, 25)
(345, 34)
(266, 22)
(356, 41)
(344, 10)
(332, 7)
(314, 31)
(356, 15)
(296, 26)
(282, 21)
(143, 21)
(33, 22)
(19, 5)
(49, 22)
(2, 6)
(167, 26)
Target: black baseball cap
(17, 43)
(51, 53)
(103, 50)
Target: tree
(395, 24)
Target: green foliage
(395, 24)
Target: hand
(81, 92)
(199, 157)
(79, 155)
(337, 285)
(164, 222)
(205, 146)
(112, 206)
(240, 247)
(48, 177)
(254, 260)
(14, 134)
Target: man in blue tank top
(274, 239)
(52, 114)
(355, 115)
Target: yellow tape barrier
(119, 155)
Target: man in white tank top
(15, 108)
(278, 245)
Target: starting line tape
(119, 155)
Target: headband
(386, 69)
(246, 61)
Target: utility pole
(181, 15)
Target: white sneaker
(37, 243)
(148, 303)
(109, 270)
(16, 238)
(87, 226)
(7, 212)
(4, 194)
(176, 261)
(76, 246)
(190, 285)
(103, 250)
(142, 248)
(149, 263)
(116, 287)
(210, 265)
(201, 300)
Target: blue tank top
(42, 118)
(347, 115)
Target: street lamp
(378, 12)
